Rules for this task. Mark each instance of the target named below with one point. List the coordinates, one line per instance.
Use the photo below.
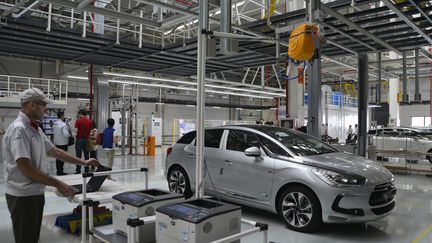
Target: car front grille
(382, 194)
(383, 210)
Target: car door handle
(191, 155)
(227, 163)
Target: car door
(212, 151)
(249, 178)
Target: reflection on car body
(297, 176)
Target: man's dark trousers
(80, 148)
(26, 215)
(60, 163)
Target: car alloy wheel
(297, 209)
(178, 182)
(300, 209)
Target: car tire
(429, 157)
(300, 209)
(178, 181)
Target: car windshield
(299, 143)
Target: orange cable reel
(303, 42)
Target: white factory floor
(410, 222)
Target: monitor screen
(184, 209)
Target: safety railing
(12, 86)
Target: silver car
(304, 180)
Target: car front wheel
(300, 209)
(178, 182)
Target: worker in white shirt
(61, 139)
(25, 149)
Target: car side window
(239, 140)
(273, 147)
(187, 138)
(212, 138)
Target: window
(212, 138)
(421, 121)
(187, 138)
(239, 140)
(299, 143)
(274, 148)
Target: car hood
(351, 164)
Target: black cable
(211, 181)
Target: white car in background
(402, 138)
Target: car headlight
(334, 178)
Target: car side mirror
(253, 152)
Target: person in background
(61, 139)
(26, 149)
(349, 134)
(83, 127)
(355, 134)
(110, 138)
(93, 136)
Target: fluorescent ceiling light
(216, 107)
(159, 103)
(374, 106)
(240, 89)
(190, 105)
(77, 77)
(239, 108)
(195, 84)
(273, 108)
(191, 89)
(84, 99)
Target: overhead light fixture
(191, 89)
(195, 84)
(246, 90)
(374, 106)
(190, 105)
(159, 103)
(273, 108)
(216, 107)
(239, 108)
(83, 99)
(77, 77)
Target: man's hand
(65, 189)
(91, 162)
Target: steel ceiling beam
(342, 47)
(407, 20)
(421, 11)
(426, 54)
(106, 12)
(348, 36)
(353, 25)
(16, 6)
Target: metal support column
(405, 96)
(314, 84)
(417, 95)
(201, 75)
(378, 87)
(362, 104)
(102, 98)
(314, 98)
(225, 25)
